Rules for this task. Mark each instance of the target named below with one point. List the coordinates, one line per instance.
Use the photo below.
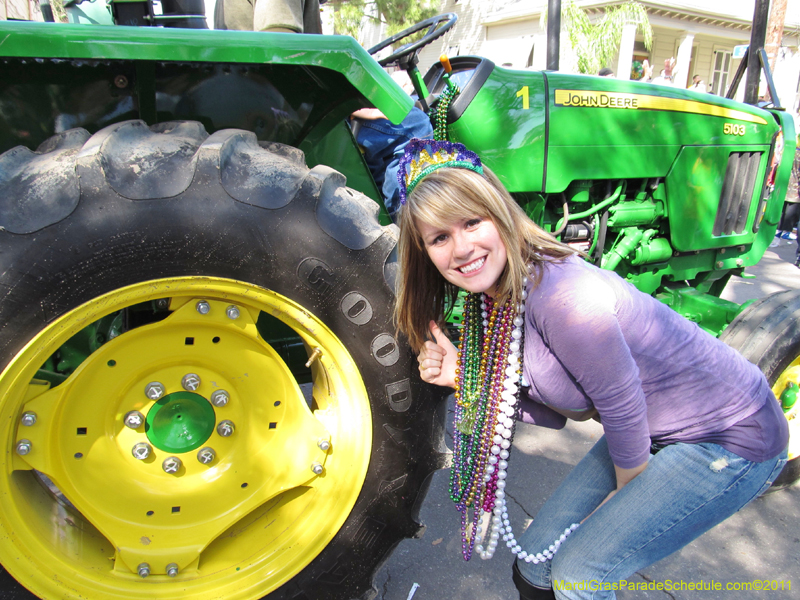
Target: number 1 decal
(526, 103)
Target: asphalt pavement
(759, 547)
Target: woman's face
(468, 253)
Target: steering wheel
(437, 25)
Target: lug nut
(317, 468)
(232, 312)
(190, 382)
(143, 570)
(28, 418)
(324, 445)
(220, 398)
(154, 390)
(172, 569)
(206, 455)
(203, 307)
(134, 419)
(141, 450)
(24, 447)
(226, 428)
(171, 464)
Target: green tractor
(202, 392)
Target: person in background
(662, 79)
(667, 73)
(282, 16)
(647, 71)
(698, 85)
(791, 209)
(794, 190)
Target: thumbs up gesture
(437, 359)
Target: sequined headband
(423, 157)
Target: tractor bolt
(203, 307)
(220, 398)
(739, 262)
(171, 464)
(141, 450)
(206, 455)
(154, 390)
(232, 312)
(324, 445)
(134, 419)
(24, 447)
(225, 428)
(720, 264)
(190, 382)
(28, 418)
(317, 468)
(172, 569)
(143, 570)
(121, 81)
(162, 303)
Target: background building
(705, 37)
(24, 10)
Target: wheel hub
(180, 422)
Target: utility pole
(757, 37)
(553, 33)
(777, 17)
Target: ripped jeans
(685, 490)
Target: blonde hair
(442, 197)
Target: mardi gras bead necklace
(487, 387)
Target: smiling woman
(547, 337)
(468, 253)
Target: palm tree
(595, 44)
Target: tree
(396, 14)
(596, 44)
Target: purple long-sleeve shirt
(593, 341)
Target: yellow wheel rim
(281, 479)
(789, 377)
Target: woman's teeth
(473, 266)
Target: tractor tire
(187, 243)
(767, 333)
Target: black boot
(528, 591)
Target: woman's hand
(624, 477)
(437, 360)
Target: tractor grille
(737, 192)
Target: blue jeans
(384, 144)
(685, 490)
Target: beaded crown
(423, 157)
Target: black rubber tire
(767, 333)
(85, 215)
